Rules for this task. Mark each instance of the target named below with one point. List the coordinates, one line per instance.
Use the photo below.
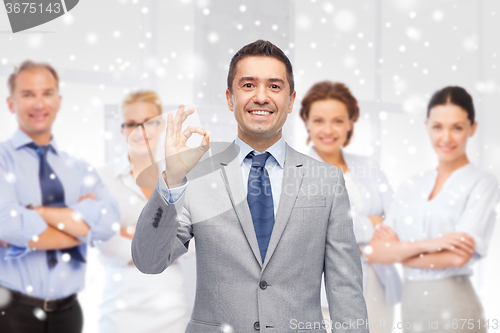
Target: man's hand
(376, 220)
(64, 219)
(179, 158)
(90, 196)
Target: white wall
(392, 53)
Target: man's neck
(260, 144)
(41, 139)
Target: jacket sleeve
(162, 234)
(342, 271)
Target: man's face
(35, 101)
(261, 98)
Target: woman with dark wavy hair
(329, 111)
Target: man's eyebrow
(23, 91)
(251, 78)
(274, 79)
(246, 78)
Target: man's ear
(229, 99)
(10, 104)
(292, 100)
(60, 101)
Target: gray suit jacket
(312, 235)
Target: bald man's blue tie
(52, 196)
(260, 200)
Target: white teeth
(260, 112)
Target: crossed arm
(451, 250)
(64, 226)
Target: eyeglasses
(147, 124)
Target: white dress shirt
(132, 301)
(465, 203)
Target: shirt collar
(21, 139)
(277, 150)
(122, 166)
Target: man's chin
(37, 129)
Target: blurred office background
(393, 54)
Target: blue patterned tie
(260, 200)
(52, 196)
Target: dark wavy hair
(260, 48)
(331, 90)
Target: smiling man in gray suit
(268, 221)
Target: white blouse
(465, 203)
(132, 301)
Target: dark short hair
(453, 95)
(260, 48)
(29, 65)
(325, 90)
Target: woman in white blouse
(329, 111)
(440, 224)
(135, 302)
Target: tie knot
(40, 150)
(258, 161)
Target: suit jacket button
(158, 215)
(160, 209)
(263, 285)
(155, 224)
(156, 219)
(256, 326)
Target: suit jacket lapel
(231, 172)
(292, 178)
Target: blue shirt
(26, 270)
(274, 166)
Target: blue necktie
(52, 196)
(260, 200)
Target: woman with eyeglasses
(329, 111)
(135, 302)
(440, 224)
